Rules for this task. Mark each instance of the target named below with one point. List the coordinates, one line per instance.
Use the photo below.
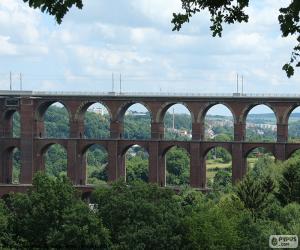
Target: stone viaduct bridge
(33, 144)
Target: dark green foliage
(57, 122)
(16, 125)
(255, 193)
(178, 166)
(137, 165)
(56, 161)
(219, 153)
(57, 8)
(137, 127)
(141, 216)
(51, 215)
(222, 179)
(289, 183)
(96, 126)
(5, 233)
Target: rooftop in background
(145, 94)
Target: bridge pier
(197, 167)
(239, 131)
(27, 113)
(76, 164)
(198, 131)
(239, 163)
(154, 162)
(282, 132)
(157, 130)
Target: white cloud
(6, 48)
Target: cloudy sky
(135, 38)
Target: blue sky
(134, 38)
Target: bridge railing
(146, 94)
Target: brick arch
(82, 109)
(40, 114)
(86, 147)
(7, 121)
(8, 114)
(43, 107)
(250, 147)
(128, 144)
(208, 106)
(164, 108)
(166, 146)
(7, 163)
(44, 148)
(209, 146)
(126, 105)
(249, 107)
(291, 149)
(288, 112)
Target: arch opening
(177, 123)
(55, 120)
(218, 124)
(96, 122)
(11, 165)
(96, 158)
(55, 160)
(12, 124)
(16, 125)
(261, 124)
(257, 160)
(177, 165)
(136, 164)
(16, 166)
(218, 162)
(294, 126)
(137, 122)
(295, 154)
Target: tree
(141, 216)
(57, 8)
(51, 215)
(232, 11)
(289, 183)
(255, 193)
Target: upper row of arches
(157, 114)
(136, 119)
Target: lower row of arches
(177, 164)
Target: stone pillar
(113, 161)
(7, 129)
(7, 166)
(197, 167)
(121, 167)
(116, 130)
(76, 128)
(282, 132)
(239, 131)
(39, 130)
(198, 131)
(157, 130)
(75, 170)
(154, 162)
(239, 163)
(280, 151)
(27, 155)
(162, 170)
